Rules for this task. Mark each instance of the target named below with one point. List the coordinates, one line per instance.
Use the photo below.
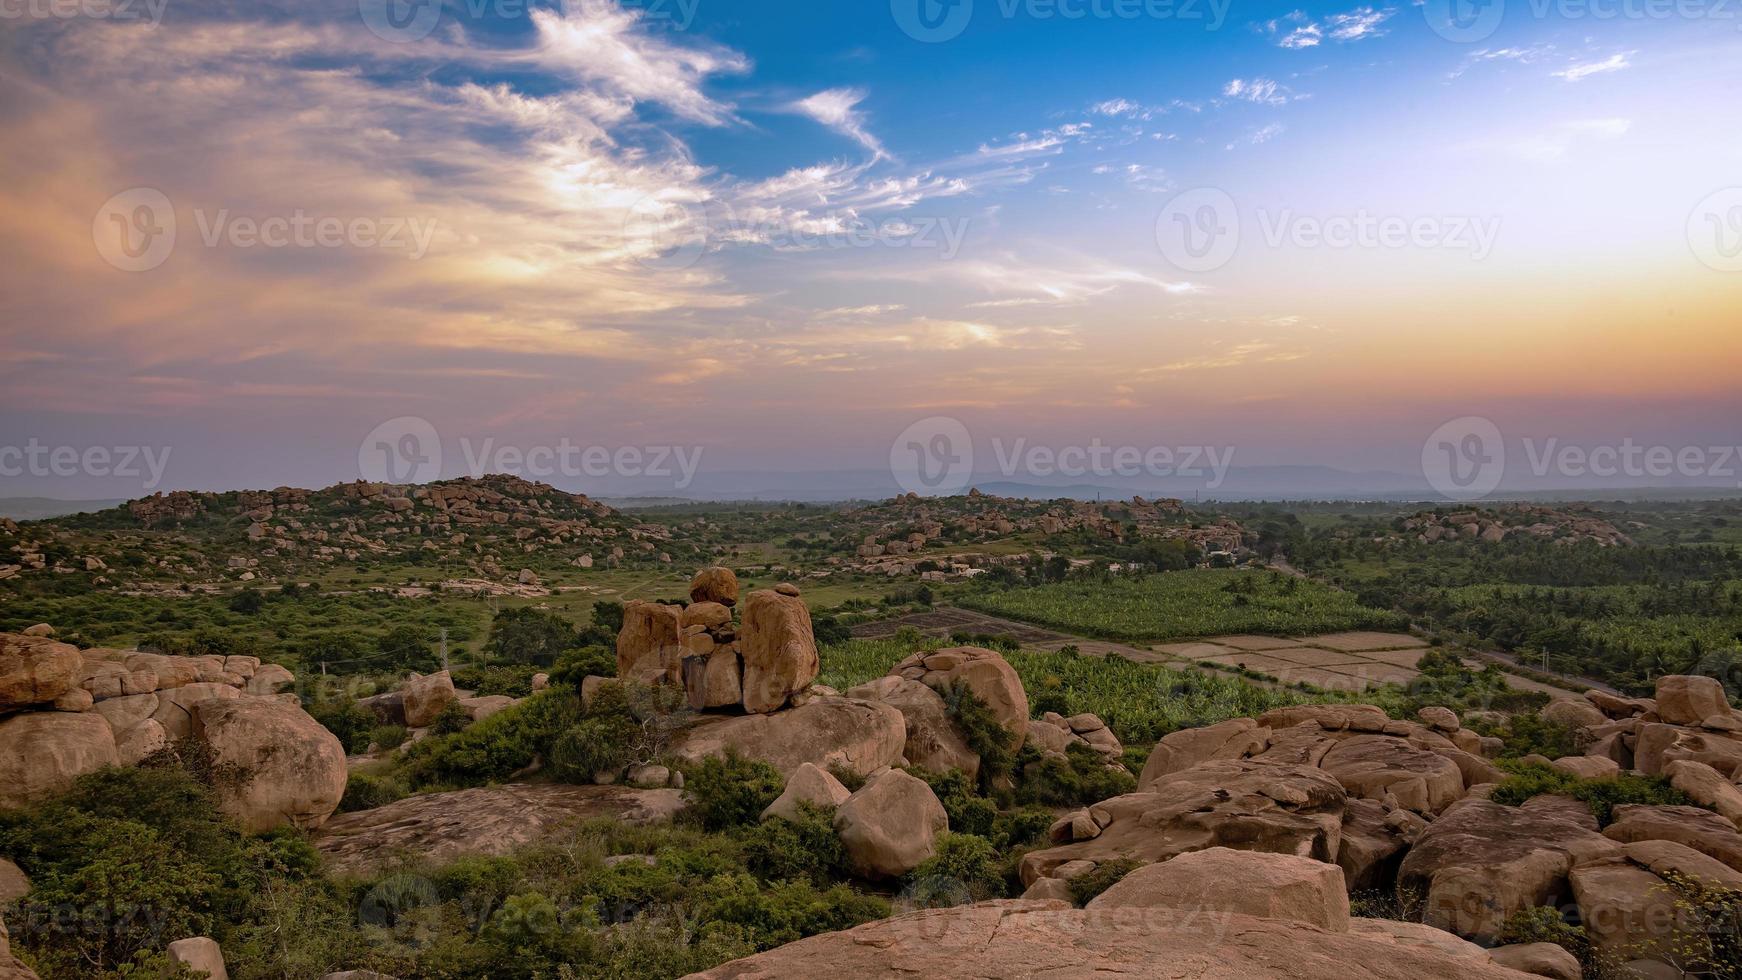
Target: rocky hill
(1565, 526)
(488, 528)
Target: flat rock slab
(439, 827)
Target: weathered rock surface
(1220, 880)
(933, 740)
(283, 767)
(424, 696)
(35, 670)
(991, 679)
(1705, 786)
(175, 707)
(650, 645)
(715, 584)
(269, 679)
(439, 827)
(1690, 699)
(1234, 739)
(1245, 805)
(1573, 712)
(1025, 940)
(1330, 717)
(807, 784)
(41, 753)
(1376, 766)
(1480, 862)
(1702, 830)
(863, 736)
(778, 649)
(201, 956)
(1539, 960)
(890, 826)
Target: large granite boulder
(35, 670)
(778, 649)
(200, 956)
(438, 828)
(1707, 787)
(933, 740)
(715, 584)
(650, 645)
(989, 676)
(175, 706)
(890, 825)
(1684, 699)
(1235, 739)
(1221, 880)
(1025, 940)
(808, 784)
(1374, 767)
(277, 765)
(268, 679)
(423, 697)
(41, 753)
(1244, 805)
(1573, 713)
(862, 736)
(1702, 830)
(1480, 862)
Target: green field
(1184, 605)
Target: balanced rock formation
(778, 648)
(715, 584)
(35, 670)
(860, 736)
(983, 672)
(933, 741)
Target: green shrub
(506, 680)
(495, 748)
(730, 792)
(806, 849)
(595, 745)
(1601, 795)
(1544, 924)
(451, 720)
(1085, 887)
(786, 911)
(577, 665)
(1082, 777)
(529, 636)
(969, 812)
(366, 792)
(387, 737)
(352, 723)
(966, 868)
(980, 728)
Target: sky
(293, 243)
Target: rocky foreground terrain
(1237, 855)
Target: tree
(407, 647)
(528, 636)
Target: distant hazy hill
(42, 508)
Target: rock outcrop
(861, 736)
(34, 670)
(277, 765)
(41, 753)
(987, 675)
(778, 649)
(1220, 880)
(890, 826)
(807, 784)
(424, 696)
(933, 741)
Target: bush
(451, 720)
(1546, 925)
(965, 869)
(980, 728)
(593, 746)
(1082, 777)
(730, 792)
(507, 680)
(366, 792)
(1601, 795)
(806, 849)
(351, 722)
(529, 636)
(969, 812)
(495, 748)
(1085, 887)
(387, 737)
(577, 665)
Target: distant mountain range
(43, 508)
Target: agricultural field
(1185, 605)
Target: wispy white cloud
(1615, 62)
(838, 109)
(1263, 91)
(1296, 30)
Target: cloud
(1362, 22)
(1615, 62)
(1263, 91)
(837, 108)
(1297, 31)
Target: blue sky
(787, 230)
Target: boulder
(1330, 717)
(14, 884)
(1588, 766)
(171, 672)
(987, 675)
(1221, 880)
(479, 709)
(1705, 786)
(714, 679)
(41, 753)
(1665, 858)
(715, 584)
(36, 670)
(1702, 830)
(933, 740)
(707, 615)
(439, 828)
(890, 826)
(778, 649)
(201, 956)
(1242, 804)
(861, 736)
(1375, 766)
(1234, 739)
(1614, 705)
(1573, 713)
(650, 645)
(124, 712)
(281, 767)
(1539, 960)
(1374, 841)
(1021, 940)
(424, 696)
(808, 784)
(1480, 862)
(1684, 699)
(270, 679)
(76, 700)
(1630, 913)
(136, 744)
(175, 706)
(1439, 719)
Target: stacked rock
(758, 664)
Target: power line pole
(444, 648)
